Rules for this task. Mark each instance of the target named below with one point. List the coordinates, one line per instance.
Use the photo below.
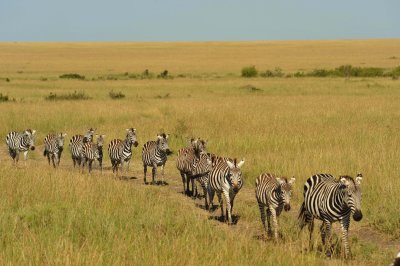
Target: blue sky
(197, 20)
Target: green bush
(116, 95)
(249, 72)
(70, 96)
(72, 76)
(5, 98)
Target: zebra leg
(326, 237)
(145, 172)
(48, 157)
(162, 174)
(194, 187)
(344, 224)
(52, 160)
(228, 207)
(269, 222)
(275, 221)
(183, 182)
(262, 214)
(154, 174)
(221, 206)
(25, 155)
(90, 165)
(211, 194)
(311, 229)
(206, 205)
(187, 185)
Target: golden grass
(293, 126)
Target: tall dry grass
(289, 126)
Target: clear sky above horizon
(191, 20)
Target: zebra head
(88, 137)
(100, 140)
(60, 140)
(352, 194)
(199, 145)
(131, 136)
(29, 138)
(202, 165)
(285, 189)
(162, 143)
(235, 174)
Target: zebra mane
(163, 135)
(235, 162)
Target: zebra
(184, 161)
(396, 261)
(53, 147)
(331, 200)
(75, 145)
(89, 153)
(20, 142)
(120, 151)
(99, 144)
(274, 193)
(226, 178)
(154, 153)
(199, 171)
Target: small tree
(249, 72)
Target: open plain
(290, 126)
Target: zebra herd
(325, 198)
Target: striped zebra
(100, 144)
(200, 169)
(89, 153)
(273, 193)
(331, 200)
(75, 145)
(184, 162)
(53, 147)
(225, 178)
(154, 153)
(120, 151)
(20, 142)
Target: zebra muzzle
(32, 148)
(357, 216)
(135, 143)
(287, 207)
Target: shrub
(249, 72)
(72, 76)
(5, 98)
(163, 75)
(319, 73)
(116, 95)
(70, 96)
(267, 74)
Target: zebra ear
(240, 164)
(230, 164)
(166, 136)
(291, 181)
(280, 181)
(33, 132)
(159, 137)
(344, 182)
(64, 134)
(359, 179)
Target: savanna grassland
(287, 126)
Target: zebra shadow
(221, 219)
(127, 178)
(158, 183)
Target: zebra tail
(303, 217)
